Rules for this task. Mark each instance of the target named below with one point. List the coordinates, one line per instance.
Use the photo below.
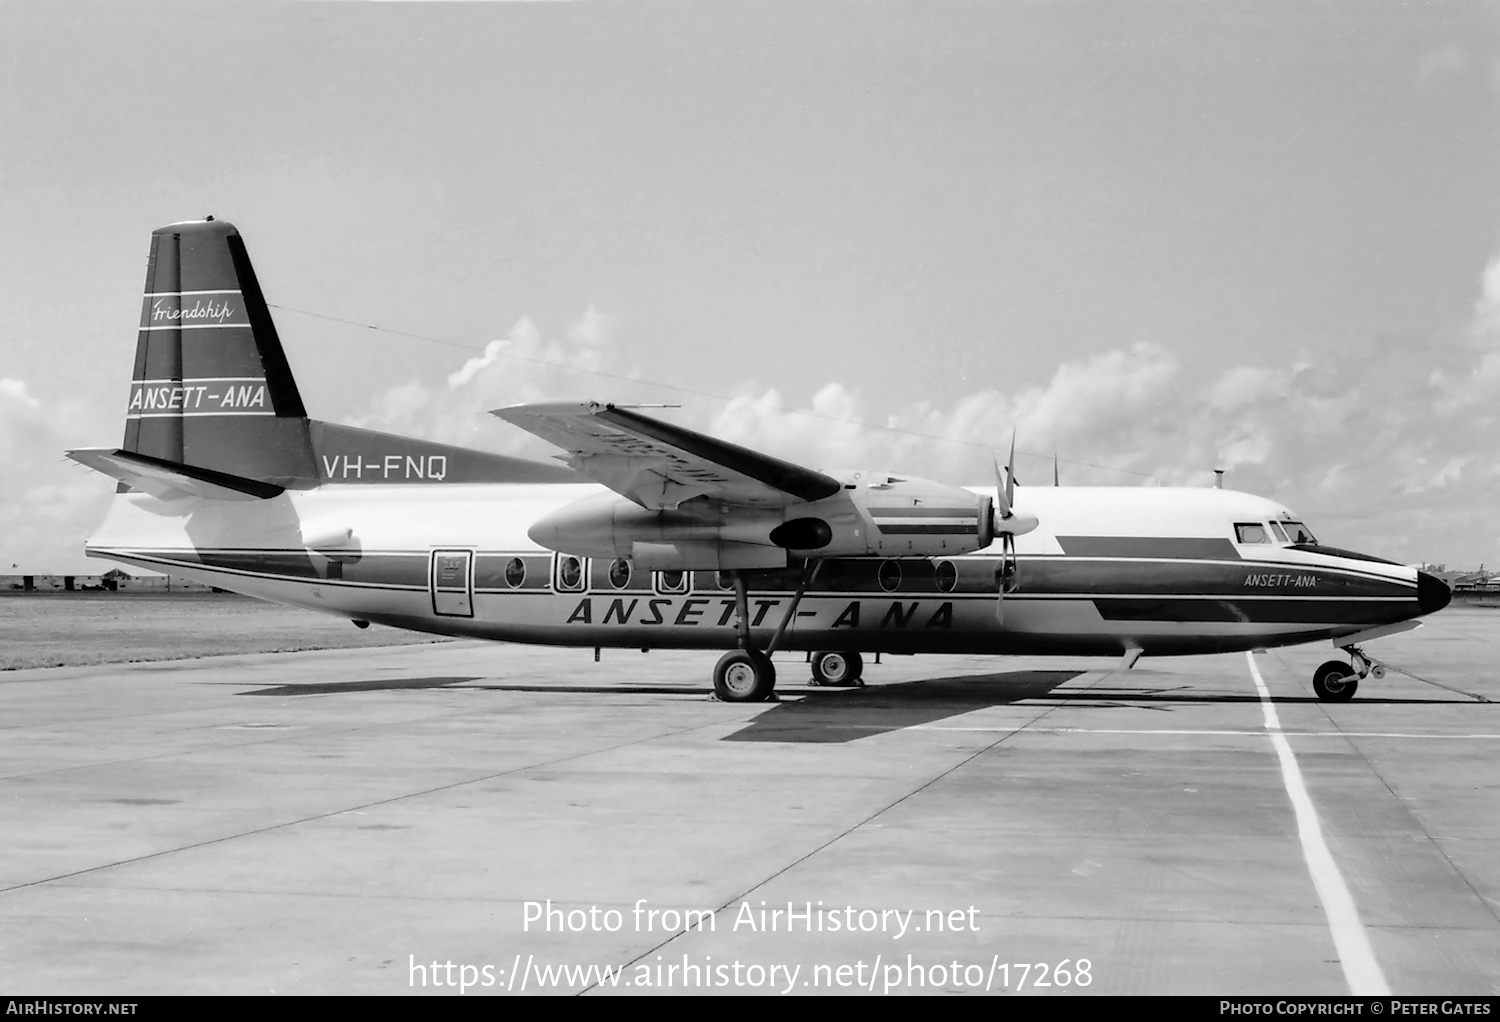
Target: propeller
(1007, 520)
(1009, 523)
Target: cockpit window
(1299, 533)
(1252, 532)
(1280, 535)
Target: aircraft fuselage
(1111, 569)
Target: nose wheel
(1335, 682)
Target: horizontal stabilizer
(170, 480)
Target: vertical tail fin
(212, 388)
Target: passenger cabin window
(672, 581)
(1251, 532)
(619, 573)
(569, 574)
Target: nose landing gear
(1336, 682)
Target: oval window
(570, 573)
(515, 572)
(890, 576)
(673, 582)
(947, 576)
(619, 573)
(725, 579)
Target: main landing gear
(1336, 682)
(746, 674)
(837, 669)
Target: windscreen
(1296, 532)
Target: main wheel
(744, 676)
(837, 669)
(1335, 682)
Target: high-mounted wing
(659, 465)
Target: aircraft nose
(1433, 593)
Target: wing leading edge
(659, 465)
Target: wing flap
(659, 465)
(169, 480)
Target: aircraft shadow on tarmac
(845, 715)
(335, 687)
(848, 715)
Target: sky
(1153, 239)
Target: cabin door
(451, 582)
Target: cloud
(476, 365)
(15, 390)
(1387, 449)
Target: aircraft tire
(837, 669)
(744, 676)
(1335, 682)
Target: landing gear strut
(746, 675)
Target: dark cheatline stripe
(923, 512)
(1166, 577)
(927, 530)
(1256, 611)
(1148, 546)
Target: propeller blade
(1010, 475)
(1007, 565)
(1002, 492)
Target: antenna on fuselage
(1218, 478)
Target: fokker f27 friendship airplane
(652, 535)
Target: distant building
(114, 580)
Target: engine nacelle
(874, 515)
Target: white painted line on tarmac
(1356, 956)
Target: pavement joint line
(348, 809)
(292, 734)
(851, 829)
(1174, 731)
(271, 737)
(1428, 681)
(1208, 918)
(1356, 955)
